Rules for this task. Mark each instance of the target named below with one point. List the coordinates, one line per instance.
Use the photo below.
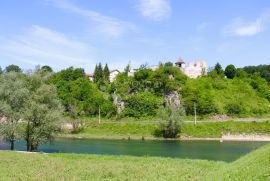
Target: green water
(210, 150)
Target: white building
(90, 77)
(113, 74)
(193, 69)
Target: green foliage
(1, 71)
(142, 105)
(13, 96)
(218, 69)
(226, 96)
(106, 74)
(261, 85)
(230, 71)
(13, 68)
(171, 122)
(98, 73)
(42, 111)
(263, 70)
(79, 96)
(46, 68)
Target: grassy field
(136, 130)
(31, 166)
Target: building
(193, 69)
(90, 77)
(113, 74)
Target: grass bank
(27, 166)
(134, 130)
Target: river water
(209, 150)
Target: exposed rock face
(173, 99)
(119, 103)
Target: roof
(179, 61)
(115, 70)
(89, 75)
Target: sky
(81, 33)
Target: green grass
(134, 130)
(27, 166)
(254, 166)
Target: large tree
(13, 68)
(42, 111)
(13, 96)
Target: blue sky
(80, 33)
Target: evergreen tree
(95, 76)
(218, 69)
(106, 73)
(1, 71)
(127, 69)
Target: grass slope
(26, 166)
(23, 166)
(254, 166)
(137, 130)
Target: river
(209, 150)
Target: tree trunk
(12, 144)
(33, 147)
(28, 145)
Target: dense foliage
(235, 92)
(263, 70)
(79, 96)
(29, 108)
(142, 105)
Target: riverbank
(22, 166)
(253, 131)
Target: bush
(170, 126)
(142, 105)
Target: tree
(42, 112)
(171, 121)
(218, 69)
(14, 68)
(1, 71)
(98, 73)
(106, 73)
(46, 68)
(13, 96)
(127, 69)
(230, 71)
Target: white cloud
(43, 46)
(239, 27)
(104, 24)
(157, 10)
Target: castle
(193, 69)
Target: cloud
(43, 46)
(239, 27)
(156, 10)
(104, 24)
